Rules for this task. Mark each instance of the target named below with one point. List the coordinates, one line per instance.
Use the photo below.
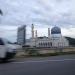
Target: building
(21, 35)
(54, 39)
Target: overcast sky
(42, 13)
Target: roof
(55, 30)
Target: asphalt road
(56, 65)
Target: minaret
(32, 31)
(24, 34)
(48, 32)
(36, 34)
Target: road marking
(35, 61)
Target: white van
(7, 49)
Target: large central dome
(55, 30)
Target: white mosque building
(54, 39)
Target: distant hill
(71, 41)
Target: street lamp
(1, 14)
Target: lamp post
(1, 14)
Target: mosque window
(43, 44)
(51, 43)
(39, 44)
(46, 44)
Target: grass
(53, 54)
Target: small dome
(55, 30)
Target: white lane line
(35, 61)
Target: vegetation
(35, 52)
(71, 41)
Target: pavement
(55, 65)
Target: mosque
(54, 39)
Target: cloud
(39, 12)
(70, 32)
(9, 32)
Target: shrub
(32, 51)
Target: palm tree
(1, 13)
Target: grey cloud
(21, 12)
(62, 0)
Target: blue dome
(55, 30)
